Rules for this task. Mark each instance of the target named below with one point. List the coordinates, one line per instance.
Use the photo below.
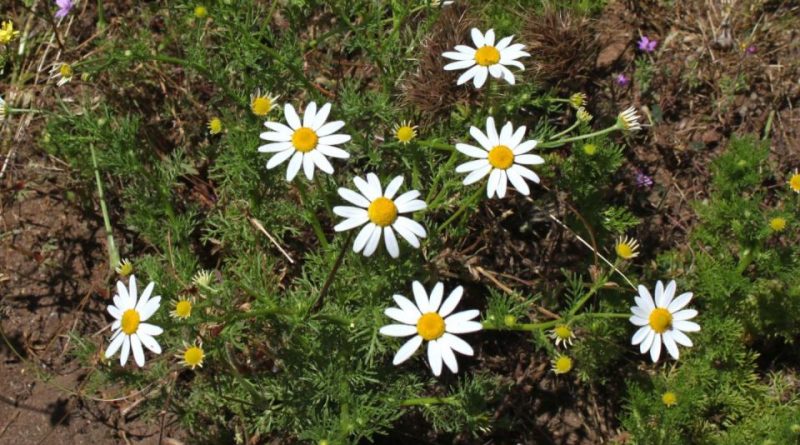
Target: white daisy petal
(412, 206)
(149, 329)
(407, 306)
(518, 182)
(291, 117)
(681, 338)
(309, 114)
(145, 298)
(648, 341)
(351, 223)
(477, 174)
(686, 314)
(508, 76)
(477, 37)
(469, 74)
(525, 173)
(464, 327)
(488, 38)
(516, 139)
(669, 293)
(125, 302)
(640, 334)
(398, 330)
(472, 151)
(491, 133)
(375, 184)
(349, 212)
(294, 166)
(471, 165)
(391, 242)
(308, 165)
(638, 321)
(366, 190)
(274, 136)
(402, 316)
(330, 127)
(334, 152)
(524, 147)
(436, 297)
(320, 161)
(451, 302)
(460, 56)
(649, 305)
(435, 357)
(457, 344)
(503, 43)
(448, 357)
(505, 134)
(279, 158)
(494, 181)
(362, 237)
(459, 65)
(275, 147)
(527, 159)
(420, 297)
(407, 350)
(278, 127)
(393, 187)
(132, 293)
(502, 184)
(115, 344)
(334, 139)
(496, 71)
(659, 294)
(685, 326)
(150, 308)
(319, 121)
(482, 139)
(353, 197)
(407, 235)
(680, 302)
(411, 225)
(480, 76)
(669, 343)
(138, 352)
(114, 311)
(655, 349)
(639, 312)
(509, 61)
(374, 240)
(126, 349)
(406, 197)
(149, 343)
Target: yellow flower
(215, 126)
(405, 132)
(192, 356)
(590, 149)
(578, 100)
(260, 104)
(562, 364)
(583, 115)
(794, 182)
(181, 308)
(669, 399)
(777, 224)
(63, 72)
(7, 33)
(124, 268)
(200, 12)
(562, 334)
(627, 248)
(203, 278)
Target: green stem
(426, 401)
(101, 15)
(464, 206)
(312, 217)
(437, 145)
(595, 286)
(531, 327)
(566, 131)
(113, 253)
(561, 142)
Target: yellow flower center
(794, 183)
(624, 251)
(183, 308)
(130, 321)
(563, 332)
(405, 134)
(669, 398)
(501, 157)
(304, 139)
(660, 320)
(382, 211)
(125, 268)
(200, 12)
(562, 365)
(65, 70)
(487, 55)
(777, 224)
(430, 326)
(590, 149)
(215, 126)
(261, 105)
(193, 356)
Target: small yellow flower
(181, 308)
(7, 33)
(590, 149)
(203, 278)
(192, 356)
(578, 100)
(215, 126)
(562, 364)
(124, 268)
(628, 120)
(260, 104)
(562, 334)
(200, 12)
(627, 248)
(794, 182)
(63, 72)
(669, 399)
(777, 224)
(405, 132)
(583, 115)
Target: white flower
(628, 120)
(431, 320)
(63, 72)
(662, 320)
(486, 58)
(2, 109)
(380, 211)
(503, 155)
(130, 331)
(307, 142)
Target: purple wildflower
(622, 80)
(647, 45)
(643, 180)
(752, 49)
(64, 6)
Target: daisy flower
(431, 320)
(662, 320)
(124, 268)
(262, 104)
(306, 142)
(486, 58)
(628, 120)
(669, 399)
(203, 278)
(627, 248)
(215, 125)
(794, 182)
(7, 33)
(562, 364)
(181, 308)
(379, 212)
(578, 100)
(405, 132)
(130, 314)
(63, 72)
(501, 157)
(562, 334)
(192, 356)
(777, 224)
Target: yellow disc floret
(669, 398)
(430, 326)
(660, 320)
(405, 133)
(777, 224)
(65, 70)
(7, 33)
(562, 365)
(627, 248)
(563, 332)
(501, 157)
(487, 55)
(200, 12)
(794, 182)
(215, 126)
(130, 321)
(193, 356)
(261, 105)
(183, 309)
(125, 268)
(304, 139)
(382, 211)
